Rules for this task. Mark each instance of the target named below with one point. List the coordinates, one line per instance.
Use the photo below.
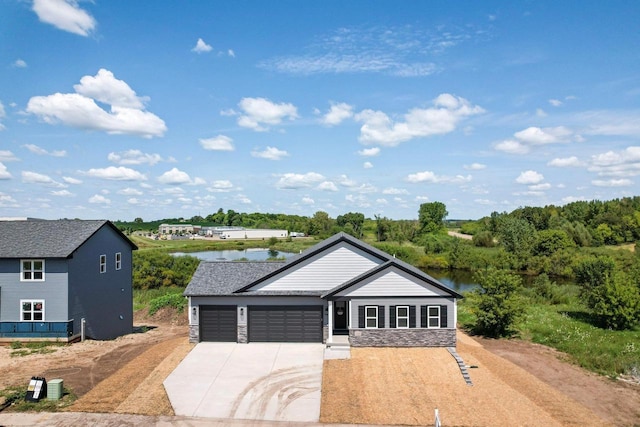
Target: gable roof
(407, 268)
(316, 249)
(225, 277)
(49, 238)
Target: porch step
(461, 365)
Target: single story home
(58, 277)
(340, 286)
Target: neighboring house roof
(49, 238)
(226, 277)
(237, 278)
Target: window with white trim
(32, 310)
(103, 263)
(118, 260)
(402, 316)
(371, 316)
(433, 316)
(32, 270)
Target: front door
(340, 317)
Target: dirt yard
(516, 383)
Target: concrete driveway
(256, 381)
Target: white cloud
(292, 181)
(38, 178)
(440, 119)
(612, 182)
(127, 114)
(541, 113)
(242, 198)
(65, 15)
(99, 199)
(432, 178)
(271, 153)
(133, 201)
(221, 186)
(538, 136)
(231, 53)
(511, 146)
(7, 156)
(345, 181)
(174, 177)
(555, 102)
(201, 47)
(7, 201)
(327, 186)
(365, 188)
(217, 143)
(307, 201)
(130, 192)
(337, 114)
(369, 152)
(62, 193)
(540, 187)
(20, 63)
(367, 165)
(70, 180)
(623, 163)
(134, 157)
(529, 177)
(4, 173)
(260, 112)
(565, 162)
(392, 190)
(475, 166)
(3, 114)
(115, 173)
(42, 152)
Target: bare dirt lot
(516, 383)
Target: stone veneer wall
(243, 337)
(419, 337)
(194, 333)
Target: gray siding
(323, 271)
(417, 302)
(53, 290)
(104, 300)
(390, 282)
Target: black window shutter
(423, 316)
(443, 316)
(381, 316)
(361, 316)
(412, 316)
(392, 316)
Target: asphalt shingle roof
(223, 278)
(46, 238)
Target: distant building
(178, 229)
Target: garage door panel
(218, 323)
(285, 323)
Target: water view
(255, 254)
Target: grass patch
(568, 328)
(177, 301)
(142, 297)
(19, 349)
(15, 398)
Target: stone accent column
(194, 334)
(243, 337)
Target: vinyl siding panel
(103, 299)
(53, 290)
(324, 271)
(392, 282)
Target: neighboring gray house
(341, 286)
(53, 274)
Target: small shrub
(176, 301)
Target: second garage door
(284, 323)
(218, 323)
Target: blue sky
(119, 109)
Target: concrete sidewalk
(257, 381)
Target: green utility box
(54, 389)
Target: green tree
(138, 220)
(352, 223)
(496, 303)
(383, 227)
(431, 217)
(550, 241)
(612, 296)
(517, 237)
(320, 225)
